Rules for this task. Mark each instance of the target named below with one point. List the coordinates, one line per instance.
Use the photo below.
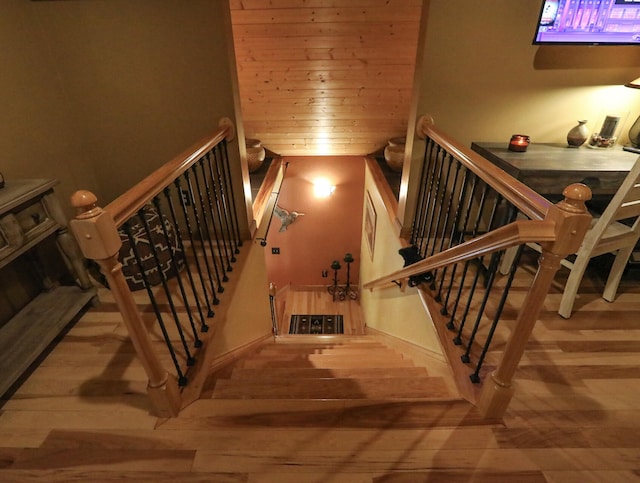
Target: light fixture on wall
(634, 130)
(322, 188)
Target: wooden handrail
(132, 200)
(96, 230)
(528, 201)
(558, 228)
(510, 235)
(98, 238)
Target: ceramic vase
(577, 135)
(634, 133)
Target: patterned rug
(316, 324)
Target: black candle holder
(334, 290)
(347, 291)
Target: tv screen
(589, 22)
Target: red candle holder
(519, 143)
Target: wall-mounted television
(589, 22)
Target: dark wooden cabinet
(44, 280)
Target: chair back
(625, 204)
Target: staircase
(341, 368)
(325, 408)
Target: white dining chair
(616, 230)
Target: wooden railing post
(96, 233)
(572, 222)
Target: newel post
(97, 234)
(572, 221)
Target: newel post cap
(575, 196)
(94, 229)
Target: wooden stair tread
(356, 353)
(328, 362)
(265, 374)
(334, 388)
(333, 413)
(311, 348)
(323, 339)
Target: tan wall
(104, 92)
(400, 314)
(330, 227)
(483, 80)
(39, 136)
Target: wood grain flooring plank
(63, 475)
(592, 476)
(104, 459)
(441, 476)
(491, 460)
(248, 439)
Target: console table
(30, 215)
(550, 168)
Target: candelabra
(347, 291)
(334, 290)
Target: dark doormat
(316, 324)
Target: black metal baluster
(182, 380)
(175, 262)
(185, 212)
(475, 377)
(455, 188)
(466, 356)
(205, 258)
(463, 228)
(222, 248)
(428, 204)
(469, 195)
(223, 212)
(442, 205)
(419, 217)
(163, 280)
(434, 195)
(480, 270)
(451, 325)
(226, 172)
(167, 193)
(442, 222)
(207, 232)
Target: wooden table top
(549, 168)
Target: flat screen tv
(589, 22)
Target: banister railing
(174, 235)
(467, 213)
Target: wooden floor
(316, 300)
(83, 414)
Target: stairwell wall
(390, 310)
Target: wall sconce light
(323, 188)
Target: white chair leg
(507, 260)
(615, 274)
(572, 285)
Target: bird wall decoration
(286, 217)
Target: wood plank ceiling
(325, 77)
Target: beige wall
(243, 322)
(389, 310)
(102, 92)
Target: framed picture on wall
(370, 218)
